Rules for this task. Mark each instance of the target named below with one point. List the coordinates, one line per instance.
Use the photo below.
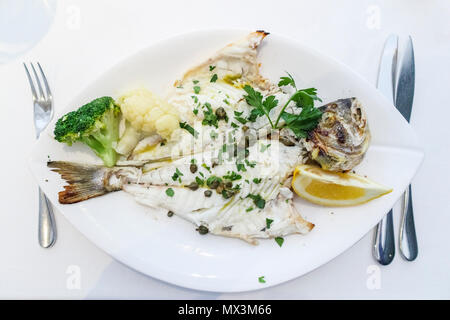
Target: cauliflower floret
(148, 113)
(166, 125)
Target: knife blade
(406, 80)
(384, 242)
(403, 102)
(388, 67)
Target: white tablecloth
(87, 37)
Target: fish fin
(245, 51)
(303, 225)
(85, 181)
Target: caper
(208, 193)
(214, 184)
(227, 194)
(202, 230)
(193, 186)
(286, 141)
(221, 113)
(170, 213)
(193, 167)
(244, 128)
(229, 184)
(219, 189)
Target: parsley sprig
(300, 123)
(262, 106)
(304, 122)
(308, 118)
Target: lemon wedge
(334, 188)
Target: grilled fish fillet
(256, 195)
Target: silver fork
(43, 114)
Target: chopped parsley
(170, 192)
(232, 176)
(195, 98)
(213, 78)
(261, 279)
(188, 128)
(265, 147)
(257, 180)
(195, 81)
(279, 240)
(177, 175)
(249, 209)
(195, 111)
(206, 167)
(237, 116)
(199, 181)
(241, 167)
(226, 101)
(258, 200)
(196, 89)
(213, 134)
(250, 164)
(268, 223)
(234, 125)
(211, 68)
(209, 117)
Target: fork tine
(41, 92)
(33, 90)
(47, 88)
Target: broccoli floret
(95, 124)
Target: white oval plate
(169, 248)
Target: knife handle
(46, 228)
(408, 240)
(384, 243)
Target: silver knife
(384, 242)
(404, 101)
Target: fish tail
(85, 181)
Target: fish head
(341, 139)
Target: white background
(87, 37)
